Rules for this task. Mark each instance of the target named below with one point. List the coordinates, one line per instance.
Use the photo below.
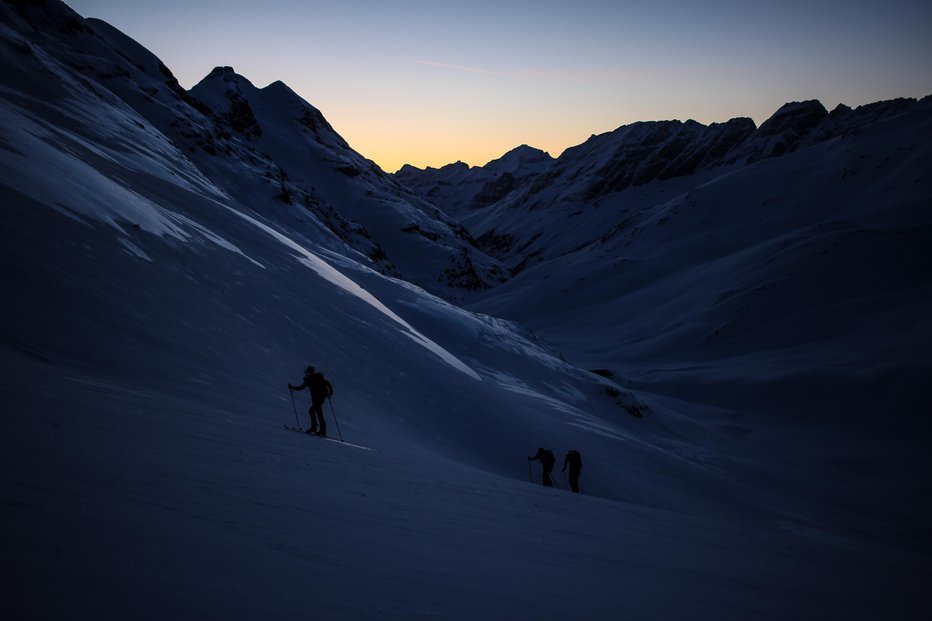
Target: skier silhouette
(320, 390)
(547, 460)
(574, 460)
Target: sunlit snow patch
(329, 273)
(134, 250)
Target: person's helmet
(540, 449)
(309, 371)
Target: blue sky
(429, 83)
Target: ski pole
(295, 408)
(334, 412)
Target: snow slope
(780, 290)
(793, 295)
(269, 148)
(151, 321)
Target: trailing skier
(320, 390)
(574, 460)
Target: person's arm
(303, 385)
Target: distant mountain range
(631, 156)
(758, 269)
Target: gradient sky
(432, 82)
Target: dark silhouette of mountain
(640, 153)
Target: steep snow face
(314, 166)
(275, 153)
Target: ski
(299, 429)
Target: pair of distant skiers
(573, 460)
(320, 390)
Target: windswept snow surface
(150, 323)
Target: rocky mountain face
(458, 187)
(265, 147)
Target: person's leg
(320, 423)
(313, 427)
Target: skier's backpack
(320, 387)
(547, 459)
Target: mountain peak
(279, 87)
(219, 72)
(226, 75)
(526, 153)
(796, 115)
(519, 160)
(283, 95)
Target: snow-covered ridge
(299, 168)
(640, 153)
(456, 188)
